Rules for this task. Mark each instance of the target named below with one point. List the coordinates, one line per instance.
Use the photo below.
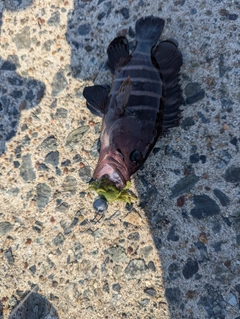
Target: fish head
(112, 166)
(120, 159)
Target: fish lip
(112, 169)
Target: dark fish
(143, 103)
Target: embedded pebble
(194, 93)
(75, 136)
(43, 195)
(59, 83)
(135, 269)
(26, 169)
(204, 207)
(184, 185)
(5, 227)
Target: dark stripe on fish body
(135, 100)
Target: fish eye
(136, 157)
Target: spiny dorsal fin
(97, 98)
(118, 53)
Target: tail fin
(149, 29)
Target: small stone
(116, 287)
(94, 151)
(232, 16)
(216, 226)
(232, 174)
(101, 16)
(203, 251)
(190, 268)
(134, 236)
(217, 246)
(157, 242)
(151, 266)
(125, 13)
(84, 29)
(9, 256)
(75, 136)
(106, 287)
(194, 93)
(66, 163)
(63, 207)
(42, 167)
(231, 299)
(117, 254)
(33, 269)
(50, 143)
(145, 251)
(26, 169)
(204, 207)
(5, 227)
(173, 295)
(184, 185)
(70, 184)
(135, 269)
(52, 158)
(85, 174)
(43, 195)
(77, 250)
(61, 113)
(172, 235)
(181, 201)
(223, 198)
(97, 233)
(58, 240)
(59, 83)
(54, 19)
(134, 218)
(194, 158)
(22, 39)
(143, 303)
(150, 292)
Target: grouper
(143, 103)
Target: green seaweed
(110, 192)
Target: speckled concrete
(175, 252)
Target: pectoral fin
(123, 95)
(97, 98)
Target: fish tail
(149, 29)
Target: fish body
(143, 103)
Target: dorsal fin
(169, 60)
(118, 53)
(97, 98)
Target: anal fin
(118, 53)
(97, 98)
(169, 62)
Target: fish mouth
(113, 171)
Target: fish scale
(143, 104)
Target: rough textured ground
(175, 253)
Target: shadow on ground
(33, 306)
(182, 187)
(17, 93)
